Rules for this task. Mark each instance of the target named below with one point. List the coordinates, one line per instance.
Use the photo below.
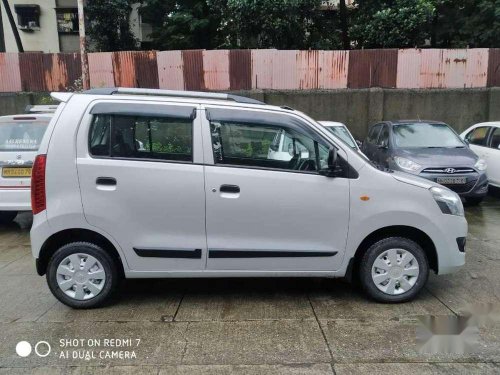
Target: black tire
(474, 201)
(7, 217)
(365, 269)
(108, 263)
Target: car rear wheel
(394, 269)
(82, 275)
(7, 217)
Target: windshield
(425, 135)
(344, 135)
(21, 135)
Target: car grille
(464, 188)
(443, 170)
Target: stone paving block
(418, 368)
(244, 306)
(259, 342)
(395, 341)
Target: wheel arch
(409, 232)
(59, 239)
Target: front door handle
(229, 189)
(106, 181)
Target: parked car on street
(20, 136)
(431, 150)
(484, 140)
(202, 198)
(340, 130)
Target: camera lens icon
(42, 349)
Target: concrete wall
(357, 108)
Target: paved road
(245, 326)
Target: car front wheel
(82, 275)
(394, 269)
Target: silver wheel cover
(81, 276)
(395, 271)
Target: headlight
(448, 201)
(407, 164)
(480, 165)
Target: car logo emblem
(450, 170)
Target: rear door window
(19, 135)
(495, 139)
(141, 137)
(478, 136)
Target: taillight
(38, 201)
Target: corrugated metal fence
(256, 69)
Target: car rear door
(493, 159)
(265, 214)
(141, 179)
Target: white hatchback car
(340, 130)
(484, 140)
(20, 136)
(141, 183)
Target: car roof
(489, 123)
(331, 123)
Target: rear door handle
(106, 181)
(229, 189)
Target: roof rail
(177, 93)
(41, 108)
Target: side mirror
(383, 146)
(332, 169)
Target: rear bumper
(15, 199)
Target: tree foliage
(109, 26)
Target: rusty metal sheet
(61, 71)
(170, 70)
(146, 69)
(454, 67)
(101, 69)
(333, 68)
(408, 74)
(431, 68)
(135, 69)
(262, 68)
(216, 69)
(31, 66)
(476, 72)
(240, 69)
(307, 70)
(285, 70)
(372, 68)
(192, 61)
(10, 77)
(493, 67)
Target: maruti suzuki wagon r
(141, 183)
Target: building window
(67, 20)
(28, 16)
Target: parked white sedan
(484, 140)
(340, 130)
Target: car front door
(382, 148)
(369, 146)
(141, 180)
(265, 214)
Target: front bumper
(15, 199)
(476, 183)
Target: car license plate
(451, 180)
(16, 172)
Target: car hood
(439, 157)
